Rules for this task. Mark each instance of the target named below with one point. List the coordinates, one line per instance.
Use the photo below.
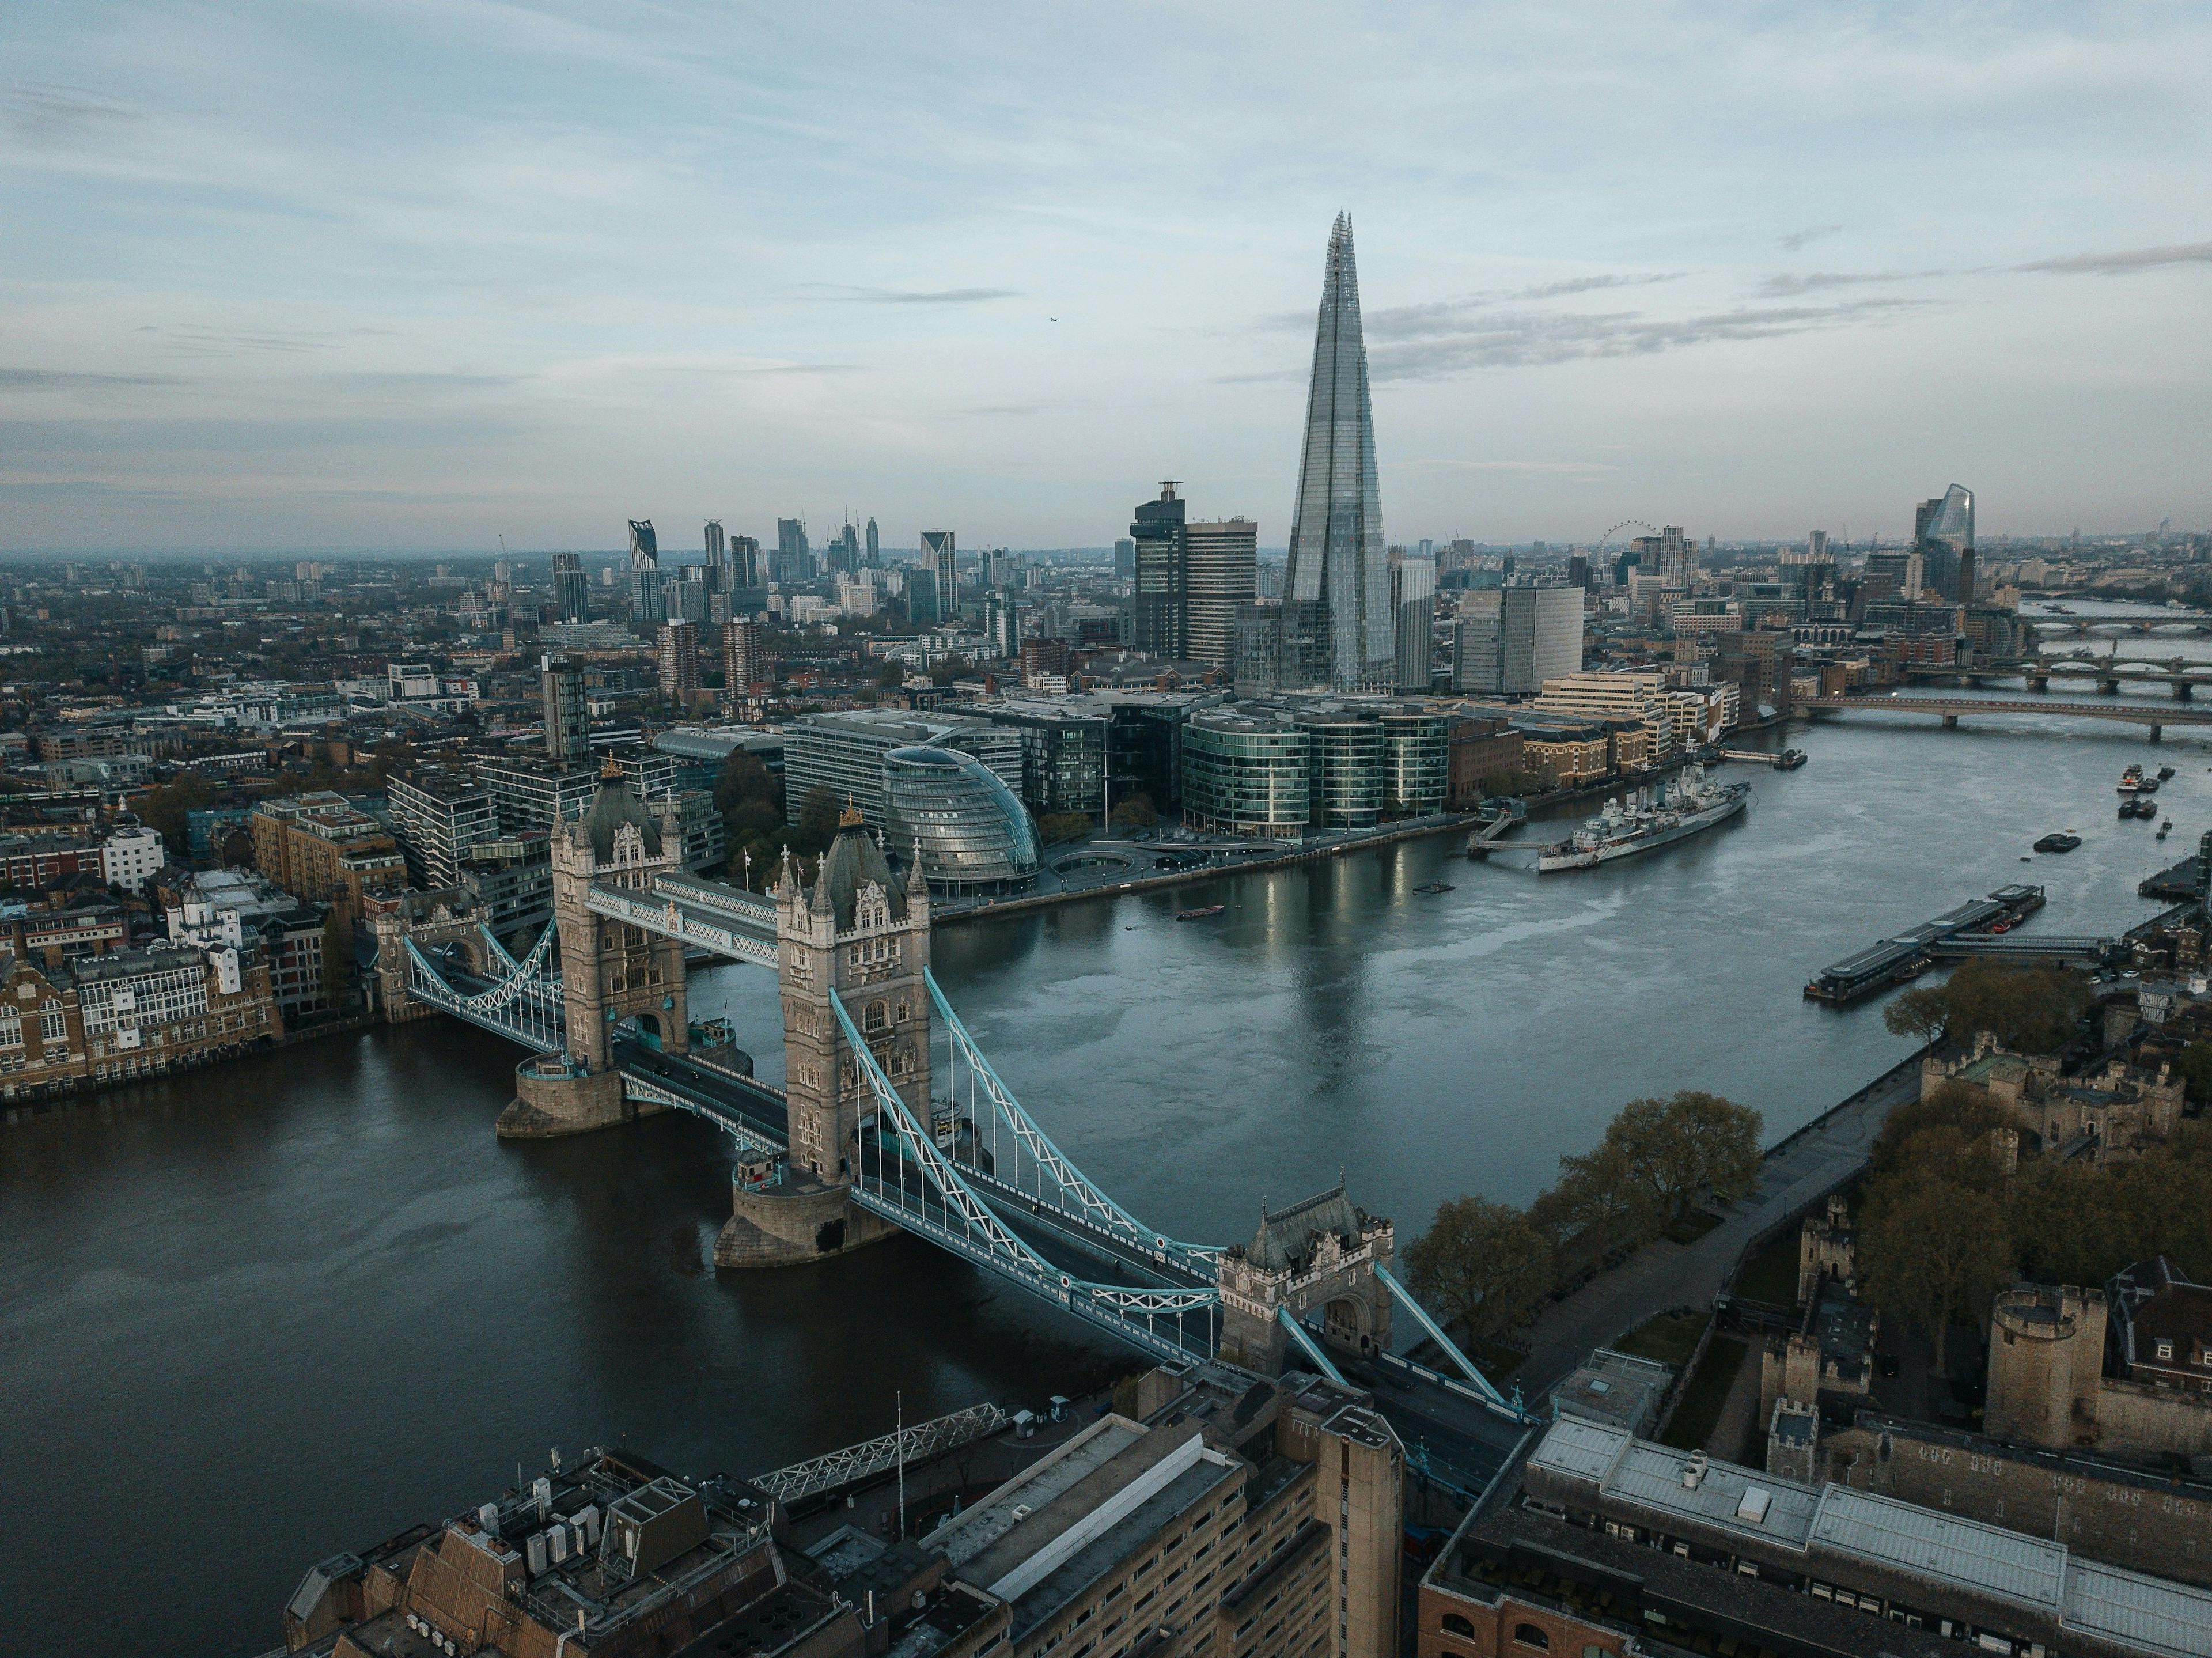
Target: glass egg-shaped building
(974, 835)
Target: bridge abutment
(555, 1096)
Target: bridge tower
(1317, 1256)
(862, 931)
(610, 970)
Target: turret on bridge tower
(1319, 1256)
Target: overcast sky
(414, 273)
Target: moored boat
(1646, 821)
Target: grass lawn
(1772, 1274)
(1494, 1360)
(1692, 1226)
(1671, 1338)
(1700, 1412)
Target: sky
(424, 273)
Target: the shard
(1336, 591)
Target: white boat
(1646, 820)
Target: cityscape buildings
(1220, 562)
(568, 737)
(1337, 628)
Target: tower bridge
(891, 1118)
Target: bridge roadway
(1951, 709)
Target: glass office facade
(1345, 764)
(1246, 774)
(1416, 760)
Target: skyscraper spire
(1336, 591)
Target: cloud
(1592, 285)
(2121, 265)
(57, 380)
(915, 296)
(1819, 281)
(990, 410)
(1448, 465)
(1800, 238)
(1535, 339)
(51, 118)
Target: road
(1663, 1274)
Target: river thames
(259, 1315)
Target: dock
(1479, 840)
(1969, 929)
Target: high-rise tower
(1336, 592)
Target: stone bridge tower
(610, 970)
(1317, 1256)
(862, 931)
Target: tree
(338, 960)
(1134, 812)
(817, 821)
(1598, 1194)
(1671, 1147)
(1483, 1264)
(2196, 1070)
(1931, 1252)
(2029, 1010)
(1058, 826)
(163, 809)
(1921, 1013)
(1953, 1133)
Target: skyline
(322, 281)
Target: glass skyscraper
(1943, 536)
(1336, 599)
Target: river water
(256, 1316)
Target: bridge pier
(554, 1095)
(2038, 682)
(1950, 722)
(2156, 733)
(791, 1220)
(2107, 685)
(2183, 691)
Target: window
(1455, 1624)
(2164, 1351)
(1527, 1635)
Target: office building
(439, 815)
(1247, 772)
(1002, 624)
(940, 556)
(130, 855)
(1509, 640)
(717, 556)
(1943, 536)
(792, 562)
(1678, 557)
(1413, 611)
(745, 570)
(1612, 1542)
(744, 657)
(1157, 609)
(875, 547)
(1336, 604)
(973, 834)
(1221, 560)
(842, 754)
(571, 592)
(567, 730)
(530, 794)
(647, 607)
(1894, 575)
(922, 609)
(678, 650)
(1125, 558)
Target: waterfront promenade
(1799, 1170)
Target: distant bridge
(1952, 710)
(2109, 674)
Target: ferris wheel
(1627, 523)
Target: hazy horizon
(346, 280)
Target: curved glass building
(1346, 765)
(974, 835)
(1245, 774)
(1416, 760)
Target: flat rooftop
(2132, 1611)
